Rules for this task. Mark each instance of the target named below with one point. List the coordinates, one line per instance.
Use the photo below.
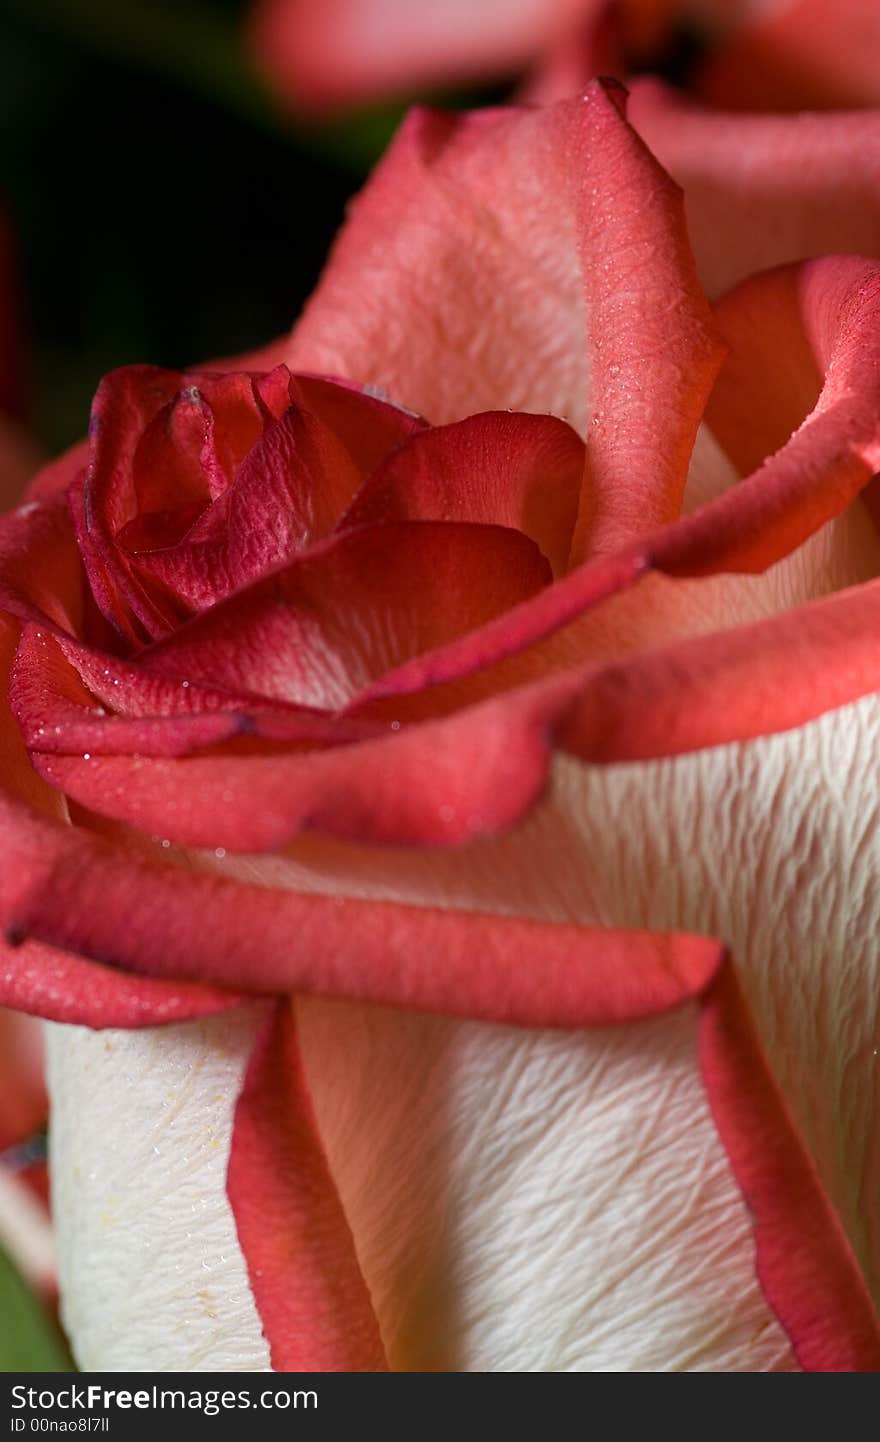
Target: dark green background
(162, 207)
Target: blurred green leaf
(28, 1340)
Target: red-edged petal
(304, 1273)
(289, 492)
(379, 792)
(369, 425)
(58, 713)
(654, 351)
(439, 783)
(476, 772)
(40, 572)
(348, 51)
(322, 627)
(505, 469)
(55, 710)
(72, 890)
(197, 484)
(103, 500)
(58, 987)
(461, 281)
(804, 1261)
(830, 458)
(762, 190)
(751, 681)
(771, 379)
(162, 446)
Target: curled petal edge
(490, 968)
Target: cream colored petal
(150, 1270)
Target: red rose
(545, 774)
(773, 54)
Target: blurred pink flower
(766, 54)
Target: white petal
(151, 1274)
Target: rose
(517, 1199)
(380, 204)
(772, 54)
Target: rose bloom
(449, 843)
(775, 54)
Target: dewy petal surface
(481, 259)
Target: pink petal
(761, 190)
(804, 1260)
(317, 630)
(304, 1273)
(349, 51)
(533, 219)
(504, 469)
(59, 987)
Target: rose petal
(490, 201)
(58, 987)
(40, 573)
(288, 492)
(520, 471)
(57, 714)
(627, 975)
(127, 1193)
(319, 629)
(761, 190)
(812, 479)
(476, 772)
(154, 442)
(369, 426)
(304, 1273)
(803, 1254)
